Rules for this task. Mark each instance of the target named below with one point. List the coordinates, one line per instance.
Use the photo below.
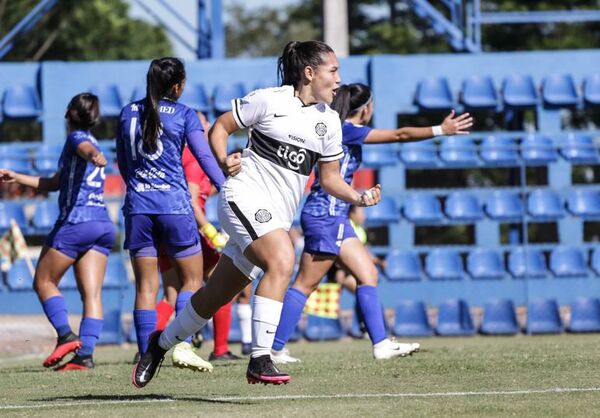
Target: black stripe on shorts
(243, 220)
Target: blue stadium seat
(110, 99)
(112, 329)
(538, 150)
(463, 206)
(484, 263)
(454, 319)
(499, 151)
(68, 281)
(21, 101)
(419, 154)
(584, 203)
(504, 205)
(19, 277)
(20, 164)
(478, 92)
(411, 319)
(519, 91)
(545, 205)
(45, 215)
(12, 210)
(568, 262)
(543, 317)
(444, 264)
(384, 213)
(195, 97)
(421, 208)
(585, 315)
(402, 265)
(116, 275)
(212, 210)
(45, 165)
(377, 156)
(434, 94)
(529, 263)
(595, 262)
(591, 90)
(322, 329)
(499, 318)
(579, 149)
(558, 90)
(224, 94)
(458, 152)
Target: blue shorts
(152, 231)
(74, 240)
(325, 234)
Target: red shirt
(196, 175)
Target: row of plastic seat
(499, 318)
(518, 91)
(500, 205)
(534, 150)
(489, 264)
(19, 277)
(21, 101)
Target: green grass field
(480, 376)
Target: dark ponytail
(163, 74)
(83, 111)
(350, 98)
(296, 57)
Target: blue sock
(144, 322)
(182, 300)
(55, 309)
(371, 309)
(89, 332)
(293, 304)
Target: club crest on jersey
(321, 129)
(262, 216)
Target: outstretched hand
(232, 164)
(7, 176)
(457, 125)
(371, 197)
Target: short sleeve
(250, 109)
(75, 138)
(192, 122)
(355, 135)
(332, 147)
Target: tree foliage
(83, 30)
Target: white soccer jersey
(286, 140)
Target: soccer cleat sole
(60, 352)
(71, 367)
(265, 380)
(183, 365)
(133, 378)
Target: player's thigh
(312, 269)
(272, 252)
(356, 260)
(51, 266)
(90, 270)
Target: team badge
(262, 216)
(321, 129)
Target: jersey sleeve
(250, 109)
(332, 147)
(75, 138)
(192, 122)
(357, 136)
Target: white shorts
(245, 220)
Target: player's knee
(281, 264)
(370, 277)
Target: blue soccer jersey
(319, 202)
(81, 197)
(156, 182)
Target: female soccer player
(329, 236)
(158, 212)
(82, 236)
(291, 129)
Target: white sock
(187, 323)
(265, 318)
(244, 312)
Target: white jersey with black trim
(286, 140)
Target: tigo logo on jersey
(262, 216)
(294, 159)
(321, 129)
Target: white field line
(313, 397)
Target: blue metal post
(218, 32)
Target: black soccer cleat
(149, 363)
(225, 357)
(77, 363)
(262, 370)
